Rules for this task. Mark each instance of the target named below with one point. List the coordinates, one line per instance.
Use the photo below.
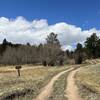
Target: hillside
(88, 80)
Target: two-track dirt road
(71, 91)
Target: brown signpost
(18, 67)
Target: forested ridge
(49, 53)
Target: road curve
(48, 89)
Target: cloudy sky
(23, 21)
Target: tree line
(49, 53)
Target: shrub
(44, 63)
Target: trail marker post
(18, 67)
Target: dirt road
(71, 91)
(47, 90)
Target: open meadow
(88, 81)
(30, 82)
(51, 83)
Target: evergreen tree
(79, 54)
(91, 45)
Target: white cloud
(67, 47)
(20, 30)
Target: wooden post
(18, 69)
(19, 72)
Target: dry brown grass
(59, 88)
(88, 80)
(32, 79)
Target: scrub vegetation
(28, 85)
(88, 81)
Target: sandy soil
(71, 91)
(47, 90)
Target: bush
(51, 63)
(78, 58)
(44, 63)
(61, 62)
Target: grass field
(34, 78)
(59, 88)
(29, 84)
(88, 80)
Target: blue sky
(23, 21)
(82, 13)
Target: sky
(32, 20)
